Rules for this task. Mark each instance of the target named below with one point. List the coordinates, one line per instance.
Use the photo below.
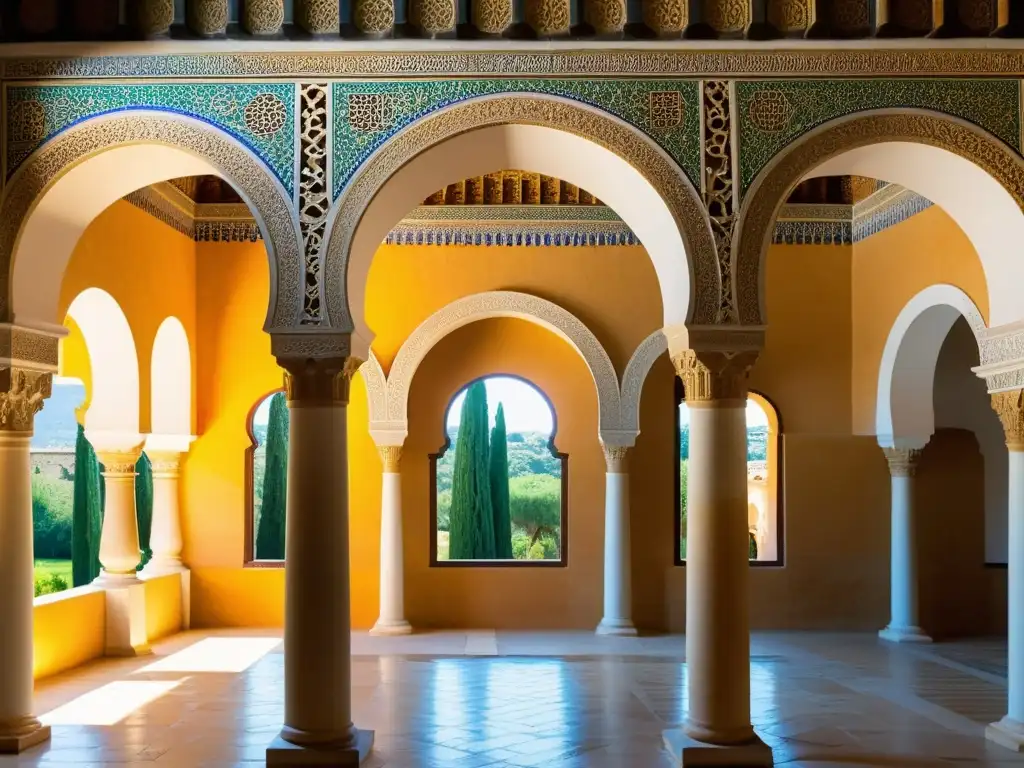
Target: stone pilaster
(618, 582)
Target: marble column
(618, 597)
(21, 397)
(119, 550)
(717, 729)
(391, 620)
(903, 618)
(318, 728)
(165, 536)
(1009, 731)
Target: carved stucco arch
(225, 156)
(639, 365)
(904, 409)
(632, 145)
(390, 426)
(862, 129)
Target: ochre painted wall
(149, 269)
(163, 606)
(889, 269)
(68, 629)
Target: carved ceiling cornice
(536, 224)
(689, 59)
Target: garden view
(68, 495)
(499, 484)
(757, 450)
(270, 476)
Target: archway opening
(499, 490)
(171, 381)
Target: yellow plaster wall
(68, 629)
(163, 606)
(149, 269)
(888, 270)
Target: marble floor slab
(524, 699)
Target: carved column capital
(391, 457)
(616, 458)
(119, 461)
(22, 393)
(1009, 407)
(318, 382)
(165, 464)
(712, 376)
(902, 461)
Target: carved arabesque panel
(263, 17)
(978, 16)
(492, 17)
(374, 17)
(153, 18)
(650, 349)
(433, 17)
(727, 17)
(850, 16)
(789, 16)
(318, 17)
(666, 18)
(207, 18)
(718, 185)
(548, 18)
(605, 16)
(314, 199)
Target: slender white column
(165, 536)
(618, 597)
(318, 726)
(392, 572)
(717, 729)
(903, 617)
(21, 396)
(1009, 732)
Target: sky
(755, 416)
(262, 415)
(526, 409)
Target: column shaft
(903, 575)
(618, 598)
(119, 538)
(317, 637)
(21, 396)
(165, 537)
(392, 572)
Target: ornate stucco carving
(666, 18)
(789, 16)
(207, 17)
(616, 458)
(675, 189)
(317, 383)
(375, 18)
(22, 393)
(773, 184)
(902, 461)
(727, 17)
(481, 306)
(153, 18)
(1001, 356)
(318, 17)
(492, 17)
(29, 347)
(263, 17)
(607, 17)
(714, 376)
(549, 18)
(391, 457)
(650, 349)
(433, 17)
(719, 194)
(1009, 407)
(314, 195)
(253, 180)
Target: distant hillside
(528, 454)
(55, 425)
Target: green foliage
(444, 509)
(64, 474)
(38, 471)
(87, 515)
(471, 520)
(536, 503)
(529, 453)
(144, 506)
(270, 531)
(757, 443)
(499, 488)
(682, 507)
(52, 502)
(752, 547)
(47, 584)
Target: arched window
(266, 481)
(499, 485)
(764, 517)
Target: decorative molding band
(865, 58)
(536, 225)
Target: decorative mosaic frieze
(368, 113)
(886, 208)
(773, 114)
(169, 204)
(261, 116)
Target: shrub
(444, 508)
(47, 584)
(51, 517)
(537, 551)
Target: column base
(1007, 733)
(904, 635)
(24, 738)
(284, 754)
(687, 751)
(391, 628)
(616, 628)
(126, 616)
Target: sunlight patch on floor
(216, 654)
(109, 704)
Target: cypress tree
(270, 536)
(499, 488)
(144, 506)
(471, 520)
(86, 515)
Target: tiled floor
(556, 700)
